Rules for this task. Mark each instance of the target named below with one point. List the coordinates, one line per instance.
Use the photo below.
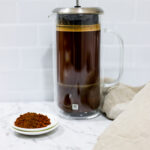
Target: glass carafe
(78, 79)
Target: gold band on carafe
(78, 28)
(79, 86)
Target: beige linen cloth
(131, 129)
(117, 98)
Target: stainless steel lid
(78, 10)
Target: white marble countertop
(70, 135)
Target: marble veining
(71, 134)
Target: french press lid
(78, 15)
(78, 10)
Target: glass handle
(121, 58)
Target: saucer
(37, 131)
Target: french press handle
(121, 58)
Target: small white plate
(35, 132)
(54, 124)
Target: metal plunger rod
(77, 3)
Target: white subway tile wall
(26, 44)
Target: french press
(78, 83)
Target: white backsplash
(26, 38)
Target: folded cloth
(131, 129)
(117, 98)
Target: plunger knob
(77, 3)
